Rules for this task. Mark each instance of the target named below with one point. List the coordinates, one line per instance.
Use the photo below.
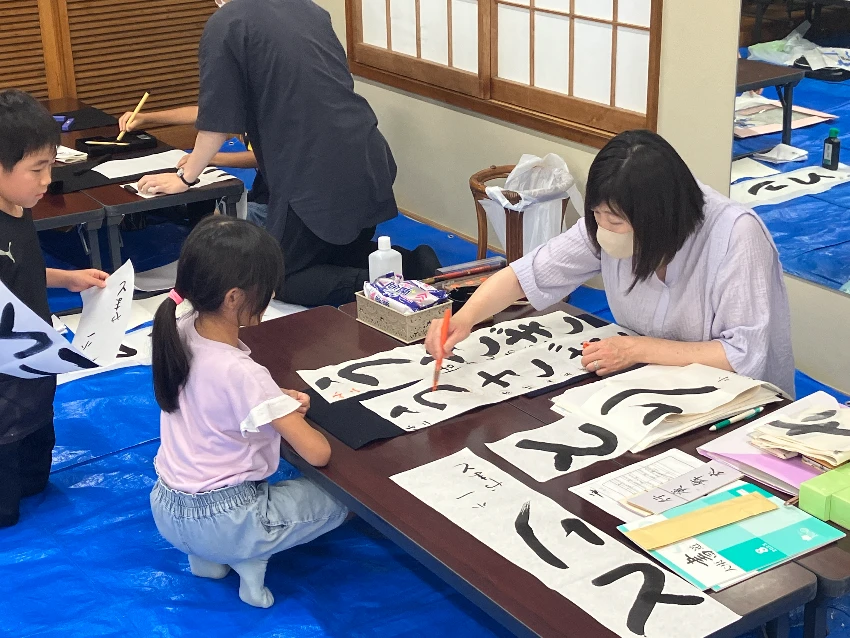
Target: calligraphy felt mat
(357, 426)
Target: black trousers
(24, 470)
(319, 273)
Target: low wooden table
(73, 209)
(509, 594)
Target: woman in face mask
(693, 271)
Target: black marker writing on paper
(650, 594)
(564, 453)
(618, 398)
(7, 325)
(497, 378)
(660, 409)
(523, 528)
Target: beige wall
(438, 147)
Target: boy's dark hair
(640, 176)
(25, 127)
(221, 253)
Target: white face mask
(617, 245)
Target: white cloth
(724, 284)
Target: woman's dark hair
(25, 128)
(220, 254)
(640, 176)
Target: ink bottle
(831, 150)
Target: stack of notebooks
(747, 449)
(666, 401)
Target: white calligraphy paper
(135, 350)
(688, 487)
(387, 370)
(29, 346)
(621, 589)
(464, 387)
(781, 188)
(106, 315)
(565, 446)
(667, 400)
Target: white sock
(206, 568)
(252, 589)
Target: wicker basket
(405, 328)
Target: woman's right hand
(138, 122)
(458, 331)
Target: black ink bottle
(831, 150)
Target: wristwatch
(183, 179)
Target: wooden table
(509, 594)
(115, 202)
(73, 209)
(754, 75)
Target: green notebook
(722, 557)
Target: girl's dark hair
(640, 176)
(220, 254)
(25, 128)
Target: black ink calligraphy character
(496, 378)
(679, 491)
(398, 410)
(813, 178)
(350, 372)
(547, 370)
(564, 453)
(437, 406)
(466, 467)
(809, 426)
(429, 359)
(650, 594)
(554, 347)
(768, 185)
(7, 325)
(492, 346)
(659, 410)
(661, 498)
(618, 398)
(523, 528)
(324, 383)
(576, 326)
(527, 332)
(575, 353)
(126, 351)
(696, 481)
(581, 529)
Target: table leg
(114, 246)
(814, 619)
(779, 627)
(761, 7)
(94, 246)
(786, 98)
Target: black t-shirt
(276, 69)
(259, 192)
(26, 405)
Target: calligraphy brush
(444, 335)
(133, 116)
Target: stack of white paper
(666, 401)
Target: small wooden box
(405, 328)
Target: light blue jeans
(257, 213)
(252, 520)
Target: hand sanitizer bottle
(385, 260)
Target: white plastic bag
(542, 184)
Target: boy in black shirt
(28, 140)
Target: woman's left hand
(301, 397)
(611, 355)
(162, 184)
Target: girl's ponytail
(170, 361)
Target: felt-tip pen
(737, 419)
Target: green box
(839, 512)
(816, 494)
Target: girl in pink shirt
(223, 417)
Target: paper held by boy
(30, 347)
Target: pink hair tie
(175, 297)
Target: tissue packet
(404, 296)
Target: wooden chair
(513, 219)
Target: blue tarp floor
(812, 233)
(86, 559)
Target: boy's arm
(171, 117)
(76, 280)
